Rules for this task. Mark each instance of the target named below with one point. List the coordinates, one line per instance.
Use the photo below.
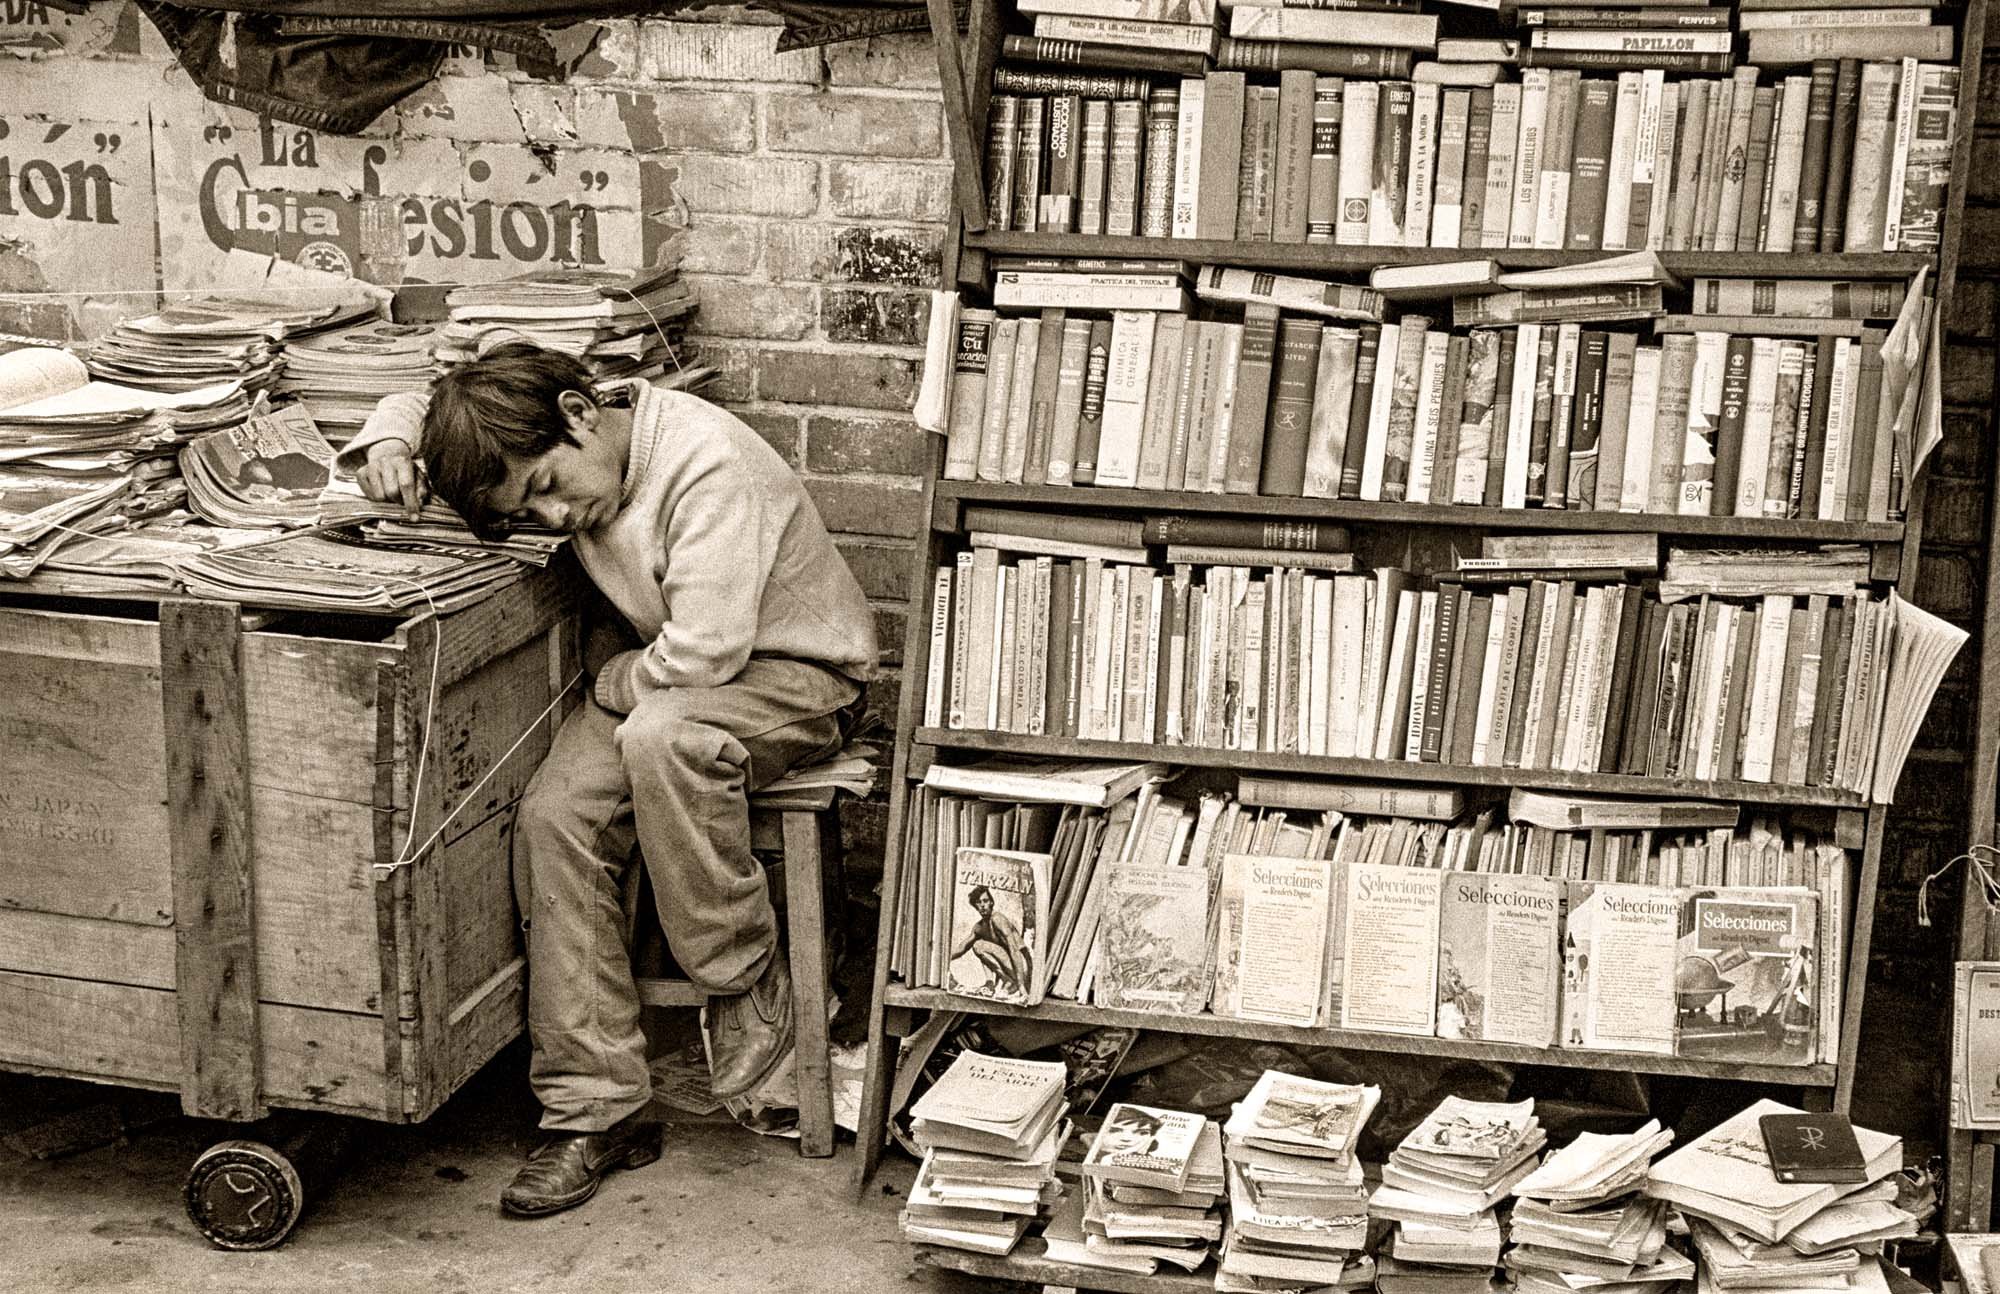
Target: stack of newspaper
(269, 471)
(1579, 1219)
(1441, 1185)
(219, 338)
(1152, 1184)
(1754, 1230)
(991, 1129)
(1298, 1205)
(621, 325)
(79, 457)
(335, 572)
(343, 504)
(340, 375)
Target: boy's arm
(396, 417)
(719, 555)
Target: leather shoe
(564, 1170)
(750, 1033)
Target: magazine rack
(966, 68)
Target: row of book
(1713, 415)
(1852, 156)
(1322, 919)
(1817, 683)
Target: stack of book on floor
(1441, 1184)
(1152, 1186)
(1524, 398)
(1298, 1204)
(1617, 136)
(1579, 1219)
(1757, 1226)
(218, 338)
(991, 1129)
(81, 457)
(620, 325)
(340, 375)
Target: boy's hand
(617, 686)
(391, 474)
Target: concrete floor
(415, 1210)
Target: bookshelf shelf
(1030, 1264)
(1358, 1040)
(1424, 514)
(1389, 770)
(1334, 258)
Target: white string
(1980, 861)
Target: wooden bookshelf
(1416, 514)
(1387, 770)
(966, 66)
(1215, 1026)
(1031, 1263)
(1332, 258)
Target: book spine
(1390, 179)
(1354, 448)
(1617, 61)
(1839, 155)
(1237, 55)
(1164, 385)
(1123, 188)
(999, 399)
(1189, 137)
(968, 394)
(1161, 153)
(1056, 209)
(1927, 172)
(1503, 138)
(1090, 415)
(1072, 365)
(1521, 406)
(1704, 414)
(1291, 214)
(1283, 471)
(1029, 144)
(1869, 163)
(1757, 170)
(1635, 483)
(1421, 177)
(1400, 427)
(1563, 391)
(1075, 53)
(1094, 166)
(1629, 41)
(1901, 136)
(1288, 24)
(1615, 222)
(1360, 106)
(1477, 421)
(1024, 80)
(1478, 158)
(1253, 398)
(1042, 401)
(1323, 173)
(1188, 394)
(1813, 164)
(1733, 189)
(962, 596)
(1448, 209)
(1221, 111)
(1588, 420)
(1522, 223)
(1020, 409)
(1664, 158)
(1183, 38)
(1002, 140)
(1778, 47)
(1332, 402)
(1428, 413)
(1621, 19)
(1670, 423)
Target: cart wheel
(250, 1194)
(244, 1195)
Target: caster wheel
(244, 1195)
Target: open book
(1925, 647)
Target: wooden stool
(803, 828)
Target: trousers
(672, 777)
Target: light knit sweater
(716, 554)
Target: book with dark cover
(1839, 155)
(1062, 590)
(1003, 134)
(1253, 399)
(1374, 61)
(1222, 115)
(1813, 443)
(1451, 405)
(1820, 749)
(1757, 168)
(1813, 1148)
(1042, 398)
(1063, 169)
(1475, 627)
(1156, 187)
(1787, 480)
(1728, 750)
(1090, 422)
(1283, 473)
(1729, 428)
(1257, 165)
(1029, 139)
(1443, 641)
(1544, 399)
(1389, 193)
(1093, 166)
(1623, 648)
(1095, 85)
(1590, 164)
(1124, 189)
(1637, 730)
(1622, 61)
(1819, 133)
(1355, 452)
(1037, 49)
(1586, 420)
(1323, 175)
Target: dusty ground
(415, 1211)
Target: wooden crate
(193, 903)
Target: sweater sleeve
(720, 547)
(396, 417)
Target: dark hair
(972, 896)
(493, 412)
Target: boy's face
(572, 487)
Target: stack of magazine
(1152, 1186)
(621, 325)
(1298, 1205)
(79, 457)
(267, 472)
(1442, 1184)
(1580, 1219)
(218, 338)
(991, 1129)
(340, 375)
(343, 504)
